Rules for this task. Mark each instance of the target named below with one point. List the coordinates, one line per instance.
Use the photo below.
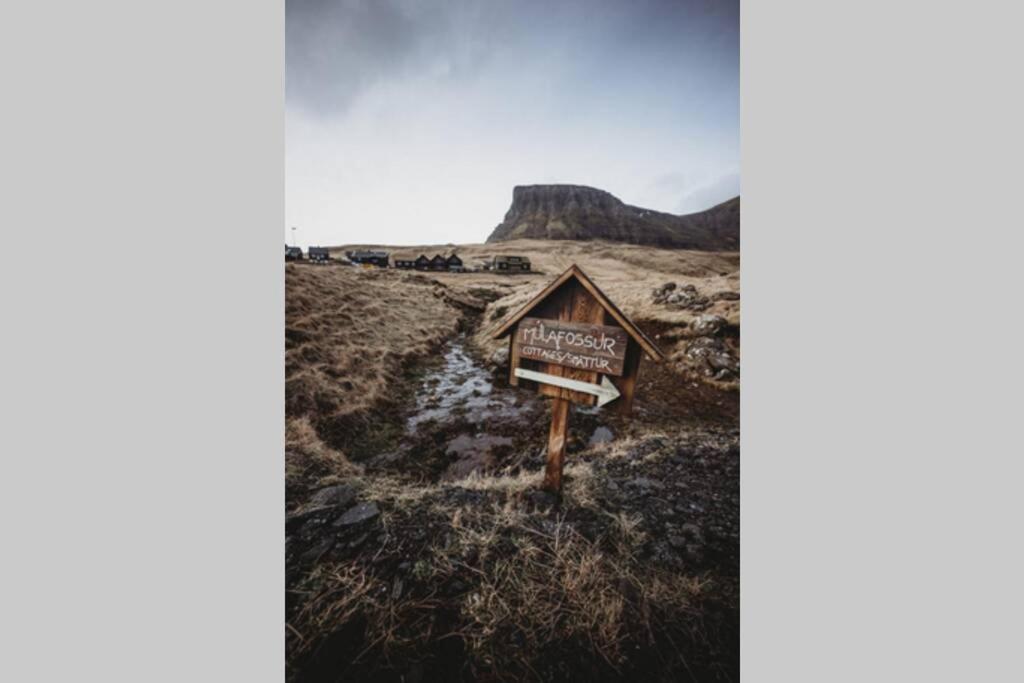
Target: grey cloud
(336, 49)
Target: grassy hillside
(418, 546)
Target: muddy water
(464, 421)
(461, 387)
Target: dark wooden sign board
(570, 342)
(573, 345)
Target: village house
(438, 263)
(319, 255)
(405, 261)
(375, 258)
(455, 264)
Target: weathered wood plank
(513, 362)
(556, 445)
(576, 345)
(627, 382)
(563, 305)
(575, 274)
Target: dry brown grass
(556, 586)
(348, 593)
(349, 334)
(627, 273)
(348, 330)
(307, 458)
(533, 583)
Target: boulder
(686, 298)
(710, 355)
(332, 496)
(661, 293)
(500, 357)
(358, 514)
(708, 325)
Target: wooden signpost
(571, 343)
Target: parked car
(512, 264)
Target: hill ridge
(581, 212)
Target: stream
(464, 419)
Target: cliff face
(576, 212)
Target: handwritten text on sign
(599, 348)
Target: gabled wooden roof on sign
(574, 271)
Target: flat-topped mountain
(577, 212)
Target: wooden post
(556, 445)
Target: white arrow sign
(605, 391)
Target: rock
(709, 355)
(500, 357)
(686, 297)
(725, 296)
(358, 514)
(646, 447)
(577, 212)
(317, 516)
(661, 293)
(388, 458)
(313, 554)
(601, 435)
(332, 496)
(708, 325)
(723, 361)
(645, 483)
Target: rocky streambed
(463, 418)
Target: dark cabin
(373, 258)
(422, 262)
(319, 255)
(454, 263)
(438, 263)
(292, 253)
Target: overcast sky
(409, 122)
